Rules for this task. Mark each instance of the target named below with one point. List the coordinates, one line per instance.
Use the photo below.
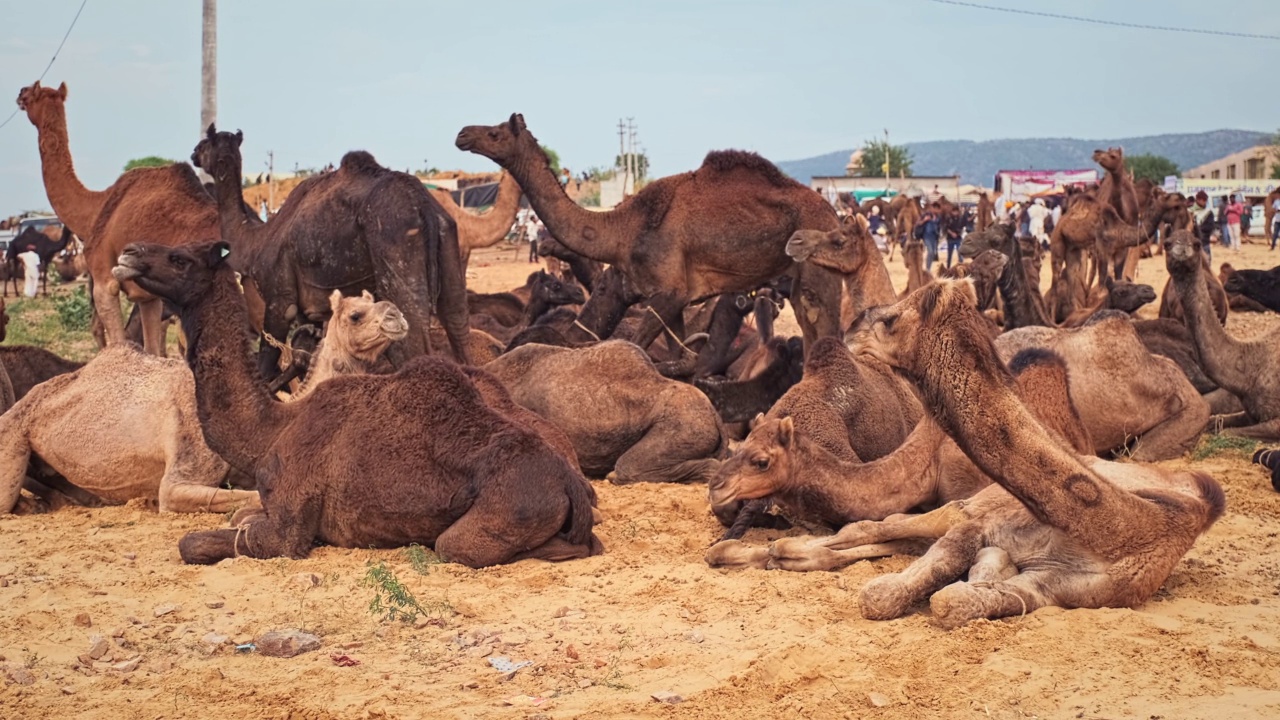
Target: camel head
(996, 237)
(1128, 296)
(843, 250)
(907, 336)
(554, 291)
(1234, 284)
(760, 465)
(988, 265)
(361, 328)
(1182, 251)
(218, 153)
(504, 143)
(40, 103)
(1111, 159)
(182, 275)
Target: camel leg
(150, 312)
(961, 602)
(1223, 402)
(557, 549)
(890, 596)
(106, 306)
(993, 565)
(284, 531)
(76, 495)
(1269, 430)
(54, 499)
(15, 457)
(494, 531)
(737, 555)
(671, 451)
(185, 497)
(816, 557)
(1177, 434)
(931, 525)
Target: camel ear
(62, 91)
(516, 123)
(218, 253)
(239, 137)
(36, 85)
(366, 295)
(759, 418)
(210, 131)
(335, 300)
(786, 431)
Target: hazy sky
(312, 79)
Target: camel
(358, 332)
(482, 231)
(738, 401)
(927, 470)
(721, 228)
(850, 253)
(1256, 290)
(986, 213)
(627, 422)
(165, 205)
(27, 366)
(43, 245)
(486, 488)
(913, 257)
(361, 227)
(1058, 530)
(1129, 399)
(1248, 369)
(548, 292)
(1171, 305)
(1119, 191)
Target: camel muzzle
(799, 250)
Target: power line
(1113, 23)
(55, 55)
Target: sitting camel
(626, 421)
(28, 366)
(1248, 369)
(1255, 290)
(483, 487)
(545, 293)
(1128, 398)
(1059, 529)
(356, 335)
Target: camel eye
(760, 463)
(178, 260)
(357, 317)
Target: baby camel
(1059, 529)
(358, 332)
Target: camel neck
(241, 227)
(479, 231)
(75, 204)
(870, 285)
(593, 235)
(1223, 356)
(239, 418)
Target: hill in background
(977, 162)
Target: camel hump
(723, 161)
(360, 162)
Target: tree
(1275, 156)
(641, 166)
(148, 161)
(874, 152)
(553, 157)
(1152, 167)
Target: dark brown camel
(481, 488)
(362, 227)
(547, 292)
(1255, 290)
(28, 366)
(41, 244)
(721, 228)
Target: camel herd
(1003, 436)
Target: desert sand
(607, 633)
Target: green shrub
(74, 309)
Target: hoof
(883, 599)
(736, 555)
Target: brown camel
(485, 488)
(165, 205)
(362, 227)
(548, 292)
(1171, 304)
(1130, 400)
(84, 425)
(913, 258)
(627, 422)
(1119, 191)
(986, 213)
(927, 470)
(1248, 369)
(27, 366)
(1059, 530)
(482, 231)
(854, 411)
(850, 253)
(721, 228)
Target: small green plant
(612, 677)
(393, 601)
(420, 559)
(1214, 445)
(75, 312)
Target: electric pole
(887, 153)
(271, 181)
(209, 67)
(622, 155)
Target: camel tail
(1211, 494)
(580, 520)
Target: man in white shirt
(1037, 214)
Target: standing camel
(721, 228)
(165, 205)
(362, 227)
(487, 230)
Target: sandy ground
(606, 633)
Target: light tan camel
(355, 337)
(165, 205)
(487, 230)
(1060, 529)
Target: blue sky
(311, 80)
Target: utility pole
(271, 181)
(887, 153)
(209, 67)
(631, 153)
(622, 155)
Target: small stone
(83, 620)
(213, 604)
(599, 663)
(162, 610)
(127, 665)
(585, 683)
(480, 651)
(133, 620)
(470, 685)
(214, 639)
(306, 581)
(695, 636)
(666, 696)
(20, 675)
(130, 556)
(562, 612)
(98, 646)
(67, 690)
(878, 700)
(4, 582)
(572, 652)
(287, 643)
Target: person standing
(1036, 215)
(1275, 222)
(31, 265)
(930, 222)
(1234, 209)
(1202, 216)
(531, 225)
